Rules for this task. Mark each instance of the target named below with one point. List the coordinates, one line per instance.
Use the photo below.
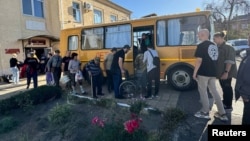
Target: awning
(52, 38)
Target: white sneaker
(222, 117)
(200, 114)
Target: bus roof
(144, 19)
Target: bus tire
(181, 78)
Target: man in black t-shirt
(205, 74)
(31, 69)
(118, 69)
(65, 64)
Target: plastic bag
(64, 79)
(78, 76)
(50, 78)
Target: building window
(33, 7)
(76, 12)
(97, 16)
(113, 18)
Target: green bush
(59, 114)
(31, 97)
(7, 124)
(171, 118)
(137, 106)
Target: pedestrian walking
(242, 86)
(65, 70)
(117, 69)
(14, 67)
(153, 73)
(74, 69)
(207, 55)
(107, 68)
(226, 69)
(31, 69)
(95, 73)
(54, 65)
(49, 75)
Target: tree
(225, 10)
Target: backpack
(156, 59)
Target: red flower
(132, 125)
(98, 121)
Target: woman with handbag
(74, 68)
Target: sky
(141, 8)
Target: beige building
(88, 12)
(28, 25)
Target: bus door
(142, 36)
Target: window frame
(118, 47)
(33, 9)
(167, 19)
(113, 16)
(83, 38)
(76, 42)
(101, 12)
(77, 10)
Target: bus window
(92, 38)
(117, 36)
(73, 42)
(179, 31)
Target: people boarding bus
(174, 37)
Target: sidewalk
(168, 98)
(22, 82)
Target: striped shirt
(93, 68)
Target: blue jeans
(34, 76)
(15, 74)
(117, 80)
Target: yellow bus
(173, 36)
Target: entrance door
(142, 37)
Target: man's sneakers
(228, 108)
(201, 114)
(222, 117)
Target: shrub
(171, 118)
(31, 97)
(59, 114)
(137, 106)
(105, 103)
(7, 124)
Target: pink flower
(131, 125)
(97, 121)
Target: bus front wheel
(181, 78)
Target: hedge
(31, 97)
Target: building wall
(15, 25)
(87, 17)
